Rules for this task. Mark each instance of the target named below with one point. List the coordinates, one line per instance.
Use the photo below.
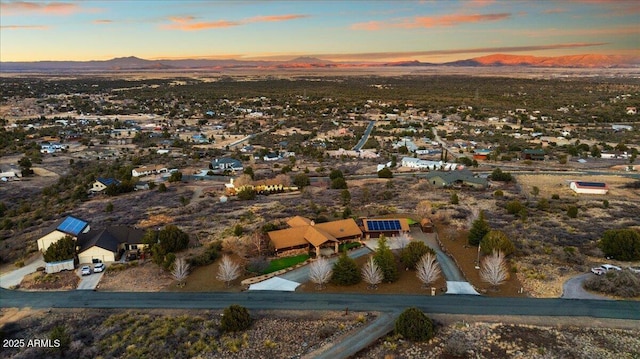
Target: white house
(417, 163)
(148, 170)
(102, 183)
(589, 187)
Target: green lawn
(286, 262)
(411, 221)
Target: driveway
(14, 278)
(89, 282)
(573, 289)
(301, 274)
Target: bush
(622, 283)
(247, 194)
(209, 256)
(498, 175)
(175, 177)
(60, 335)
(414, 325)
(161, 188)
(454, 198)
(555, 196)
(498, 193)
(413, 252)
(345, 271)
(61, 250)
(385, 173)
(572, 211)
(621, 244)
(514, 207)
(496, 241)
(235, 318)
(339, 183)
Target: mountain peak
(309, 60)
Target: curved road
(453, 304)
(573, 289)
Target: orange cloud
(24, 27)
(432, 21)
(555, 11)
(276, 18)
(196, 26)
(50, 8)
(188, 23)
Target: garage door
(88, 259)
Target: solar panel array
(592, 184)
(384, 225)
(72, 225)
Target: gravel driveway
(14, 278)
(573, 289)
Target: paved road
(452, 151)
(453, 304)
(573, 289)
(365, 136)
(14, 278)
(88, 282)
(362, 339)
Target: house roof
(110, 238)
(108, 181)
(451, 177)
(598, 185)
(72, 225)
(304, 231)
(150, 168)
(386, 224)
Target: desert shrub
(235, 318)
(605, 203)
(555, 196)
(414, 325)
(413, 252)
(161, 187)
(621, 244)
(258, 264)
(498, 175)
(210, 254)
(454, 198)
(543, 204)
(622, 283)
(59, 333)
(345, 271)
(496, 241)
(457, 344)
(498, 193)
(247, 194)
(514, 207)
(385, 173)
(572, 211)
(339, 183)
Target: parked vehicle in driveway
(635, 269)
(85, 270)
(98, 268)
(604, 269)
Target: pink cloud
(432, 21)
(103, 21)
(555, 11)
(24, 27)
(47, 8)
(188, 23)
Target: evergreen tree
(496, 241)
(413, 252)
(61, 250)
(479, 229)
(386, 261)
(345, 271)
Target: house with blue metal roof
(69, 226)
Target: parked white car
(85, 270)
(604, 269)
(635, 269)
(98, 268)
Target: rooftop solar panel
(72, 225)
(384, 225)
(592, 184)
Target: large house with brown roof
(304, 234)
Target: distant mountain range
(134, 63)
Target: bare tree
(403, 239)
(494, 269)
(228, 270)
(180, 270)
(372, 274)
(427, 269)
(475, 213)
(320, 272)
(423, 209)
(257, 240)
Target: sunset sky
(429, 31)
